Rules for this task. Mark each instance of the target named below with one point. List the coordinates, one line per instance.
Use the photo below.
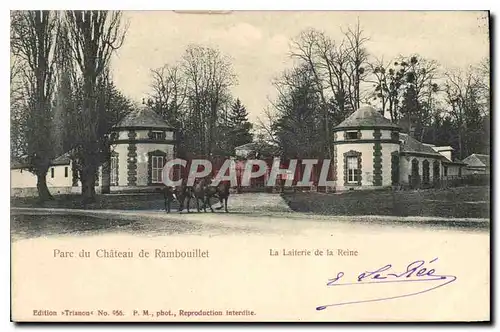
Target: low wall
(33, 192)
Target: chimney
(444, 151)
(411, 131)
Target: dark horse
(204, 190)
(220, 191)
(199, 193)
(179, 193)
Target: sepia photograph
(250, 166)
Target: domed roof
(144, 118)
(367, 117)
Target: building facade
(477, 164)
(370, 152)
(141, 144)
(59, 178)
(363, 146)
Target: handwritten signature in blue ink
(415, 272)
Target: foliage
(431, 103)
(194, 96)
(92, 37)
(34, 36)
(238, 127)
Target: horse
(199, 193)
(220, 191)
(179, 193)
(204, 190)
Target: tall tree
(406, 88)
(64, 99)
(337, 69)
(238, 126)
(209, 76)
(463, 95)
(358, 59)
(299, 118)
(17, 111)
(169, 93)
(194, 96)
(34, 37)
(388, 81)
(112, 105)
(93, 37)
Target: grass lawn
(150, 201)
(462, 202)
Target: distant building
(450, 168)
(477, 164)
(256, 150)
(245, 150)
(370, 152)
(59, 177)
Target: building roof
(259, 148)
(63, 159)
(144, 118)
(484, 158)
(24, 163)
(16, 163)
(411, 145)
(443, 148)
(247, 146)
(445, 159)
(478, 160)
(366, 116)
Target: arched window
(425, 172)
(435, 171)
(415, 175)
(395, 167)
(414, 167)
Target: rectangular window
(157, 135)
(113, 177)
(395, 135)
(52, 172)
(352, 170)
(66, 171)
(156, 169)
(352, 135)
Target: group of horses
(202, 190)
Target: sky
(258, 43)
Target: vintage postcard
(250, 166)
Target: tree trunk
(41, 185)
(460, 148)
(422, 134)
(88, 185)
